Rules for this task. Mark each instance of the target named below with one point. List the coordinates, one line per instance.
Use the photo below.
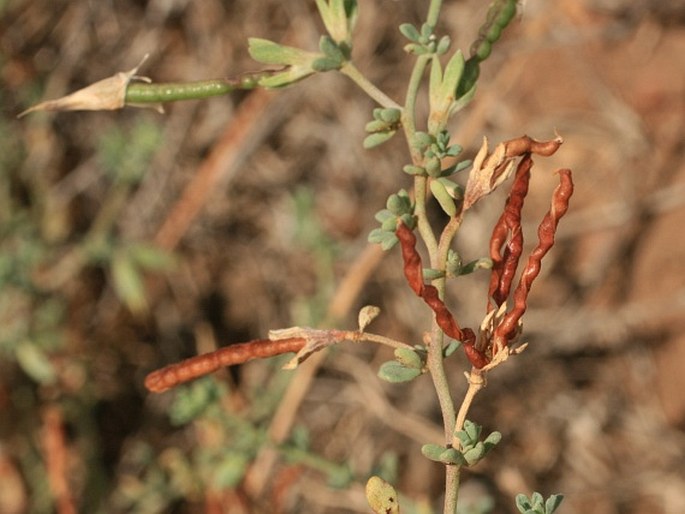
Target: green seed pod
(493, 33)
(483, 50)
(506, 13)
(142, 93)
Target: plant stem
(425, 230)
(433, 12)
(446, 237)
(409, 113)
(365, 84)
(476, 383)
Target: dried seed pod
(163, 379)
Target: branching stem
(351, 71)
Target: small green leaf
(466, 441)
(391, 115)
(537, 500)
(395, 373)
(286, 78)
(408, 358)
(473, 430)
(451, 348)
(398, 203)
(414, 170)
(376, 235)
(421, 141)
(410, 32)
(523, 503)
(553, 502)
(473, 455)
(269, 52)
(443, 45)
(409, 220)
(433, 451)
(492, 440)
(389, 241)
(426, 32)
(482, 263)
(331, 50)
(461, 165)
(433, 166)
(339, 17)
(373, 140)
(323, 64)
(389, 225)
(432, 274)
(452, 456)
(376, 126)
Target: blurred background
(131, 239)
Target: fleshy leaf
(395, 373)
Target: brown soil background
(595, 408)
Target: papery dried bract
(104, 95)
(487, 172)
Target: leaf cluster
(472, 448)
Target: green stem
(425, 230)
(369, 88)
(433, 12)
(409, 113)
(446, 238)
